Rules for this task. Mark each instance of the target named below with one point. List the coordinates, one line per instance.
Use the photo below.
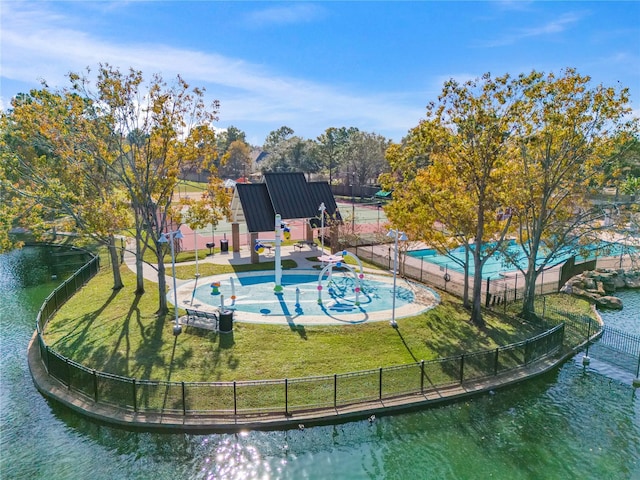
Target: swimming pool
(497, 264)
(255, 301)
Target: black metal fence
(282, 395)
(497, 292)
(298, 394)
(621, 349)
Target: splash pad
(251, 296)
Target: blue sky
(315, 65)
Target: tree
(275, 137)
(225, 138)
(292, 155)
(429, 208)
(236, 162)
(366, 156)
(569, 133)
(331, 147)
(470, 176)
(624, 163)
(521, 154)
(154, 129)
(48, 146)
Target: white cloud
(552, 27)
(284, 15)
(38, 45)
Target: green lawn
(119, 333)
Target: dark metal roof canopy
(288, 194)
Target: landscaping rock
(612, 303)
(597, 286)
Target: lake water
(570, 423)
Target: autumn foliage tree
(107, 152)
(570, 134)
(52, 171)
(531, 145)
(154, 129)
(469, 175)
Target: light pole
(322, 208)
(395, 234)
(353, 206)
(379, 207)
(170, 237)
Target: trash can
(224, 245)
(226, 321)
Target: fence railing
(281, 395)
(297, 394)
(497, 292)
(621, 349)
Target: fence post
(335, 390)
(135, 399)
(47, 353)
(286, 397)
(184, 401)
(505, 297)
(461, 368)
(421, 376)
(495, 362)
(66, 361)
(235, 399)
(380, 384)
(95, 386)
(487, 295)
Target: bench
(300, 245)
(201, 319)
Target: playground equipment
(337, 261)
(261, 245)
(279, 227)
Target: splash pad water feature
(337, 294)
(299, 296)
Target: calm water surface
(572, 423)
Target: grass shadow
(74, 341)
(415, 359)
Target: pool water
(254, 294)
(498, 264)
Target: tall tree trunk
(476, 308)
(528, 301)
(465, 294)
(163, 308)
(115, 263)
(139, 266)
